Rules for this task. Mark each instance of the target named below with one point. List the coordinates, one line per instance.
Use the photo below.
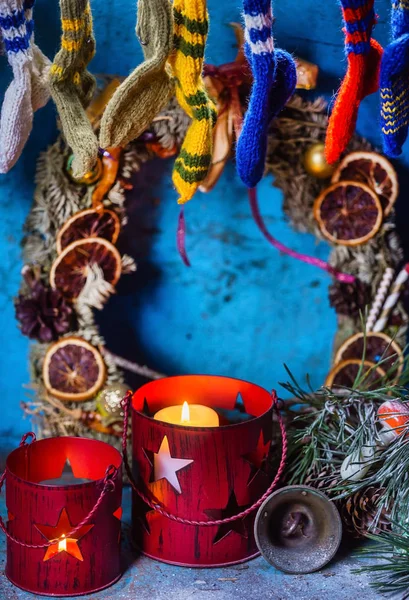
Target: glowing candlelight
(62, 544)
(189, 415)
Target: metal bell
(298, 529)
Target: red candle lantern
(196, 489)
(63, 499)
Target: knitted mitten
(394, 82)
(274, 79)
(362, 76)
(192, 164)
(72, 85)
(28, 90)
(149, 88)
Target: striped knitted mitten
(362, 76)
(193, 162)
(274, 80)
(394, 82)
(149, 88)
(29, 90)
(72, 86)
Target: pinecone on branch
(324, 481)
(361, 513)
(349, 298)
(43, 313)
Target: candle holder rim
(194, 427)
(73, 486)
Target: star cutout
(238, 526)
(257, 457)
(140, 510)
(164, 466)
(57, 532)
(67, 477)
(239, 404)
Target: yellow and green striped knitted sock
(72, 86)
(149, 88)
(193, 162)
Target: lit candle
(189, 415)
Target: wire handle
(158, 507)
(109, 486)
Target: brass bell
(298, 529)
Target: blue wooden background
(242, 309)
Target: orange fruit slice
(70, 269)
(348, 213)
(345, 373)
(73, 370)
(379, 347)
(375, 171)
(89, 223)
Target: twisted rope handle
(158, 507)
(109, 486)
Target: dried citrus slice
(379, 347)
(73, 370)
(70, 269)
(344, 374)
(375, 171)
(89, 223)
(348, 213)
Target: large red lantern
(196, 488)
(63, 498)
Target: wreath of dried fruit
(73, 263)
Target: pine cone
(349, 298)
(324, 481)
(44, 314)
(359, 512)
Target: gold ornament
(108, 403)
(315, 163)
(89, 178)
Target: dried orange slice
(89, 223)
(379, 347)
(70, 269)
(348, 213)
(375, 171)
(344, 374)
(73, 370)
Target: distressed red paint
(227, 474)
(38, 509)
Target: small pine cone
(324, 481)
(359, 513)
(349, 298)
(43, 313)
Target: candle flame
(185, 412)
(62, 544)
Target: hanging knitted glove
(192, 164)
(72, 86)
(29, 90)
(362, 76)
(394, 82)
(149, 88)
(274, 80)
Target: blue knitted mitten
(274, 79)
(394, 82)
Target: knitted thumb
(40, 90)
(361, 79)
(16, 116)
(395, 95)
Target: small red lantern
(198, 487)
(63, 498)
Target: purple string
(317, 262)
(181, 238)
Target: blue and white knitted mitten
(394, 82)
(28, 90)
(274, 80)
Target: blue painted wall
(242, 310)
